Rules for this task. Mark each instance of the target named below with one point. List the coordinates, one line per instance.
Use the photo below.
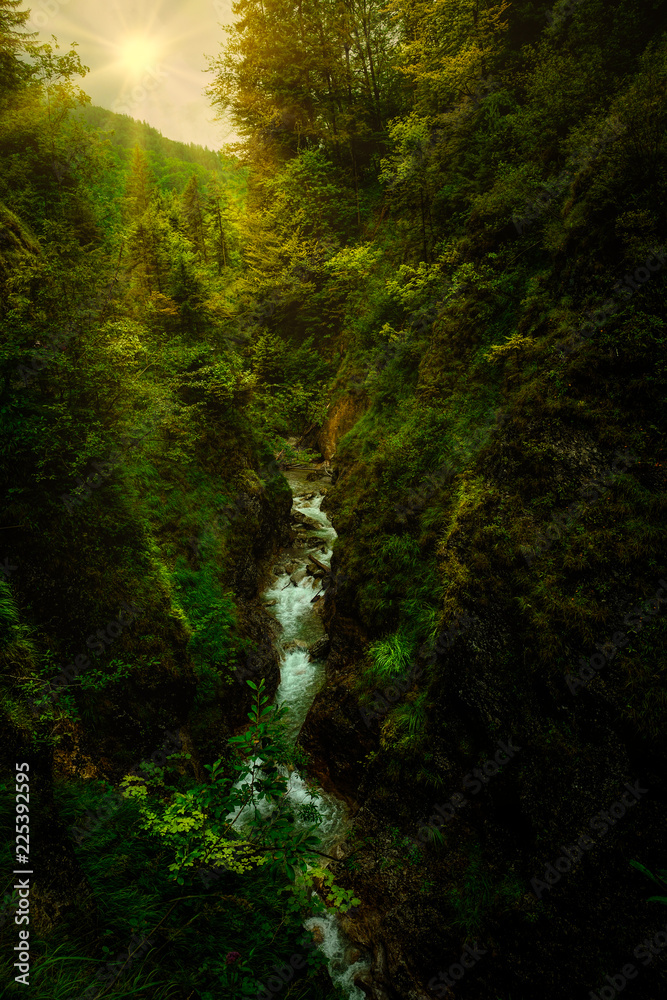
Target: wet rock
(362, 981)
(300, 518)
(257, 535)
(334, 734)
(365, 982)
(298, 576)
(307, 542)
(320, 649)
(295, 644)
(279, 571)
(318, 934)
(352, 956)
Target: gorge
(332, 531)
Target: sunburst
(137, 52)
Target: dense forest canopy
(435, 257)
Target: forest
(352, 327)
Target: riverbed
(292, 596)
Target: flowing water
(290, 596)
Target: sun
(137, 52)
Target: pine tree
(218, 225)
(194, 216)
(140, 187)
(12, 41)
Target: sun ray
(136, 52)
(147, 63)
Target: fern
(660, 879)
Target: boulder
(314, 541)
(295, 644)
(320, 649)
(309, 522)
(364, 982)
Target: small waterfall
(295, 582)
(336, 948)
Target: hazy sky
(146, 57)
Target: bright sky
(146, 57)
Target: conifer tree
(218, 224)
(194, 216)
(140, 186)
(13, 40)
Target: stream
(289, 598)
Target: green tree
(14, 72)
(140, 187)
(219, 227)
(193, 215)
(294, 76)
